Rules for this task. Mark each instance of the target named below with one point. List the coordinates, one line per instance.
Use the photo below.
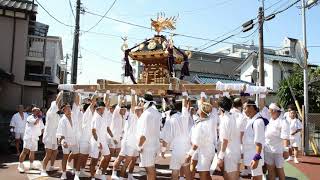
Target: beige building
(29, 59)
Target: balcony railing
(36, 46)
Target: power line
(216, 43)
(99, 55)
(105, 14)
(288, 7)
(52, 15)
(272, 5)
(70, 5)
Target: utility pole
(76, 45)
(305, 78)
(261, 47)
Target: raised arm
(133, 100)
(106, 99)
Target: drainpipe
(13, 43)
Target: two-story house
(23, 55)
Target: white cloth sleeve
(299, 124)
(13, 121)
(259, 131)
(165, 133)
(31, 120)
(285, 129)
(224, 129)
(60, 129)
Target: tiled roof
(281, 58)
(212, 79)
(22, 5)
(213, 64)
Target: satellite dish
(254, 75)
(254, 61)
(299, 53)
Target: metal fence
(313, 134)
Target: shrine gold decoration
(162, 23)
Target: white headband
(274, 106)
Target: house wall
(279, 74)
(11, 92)
(53, 57)
(246, 71)
(10, 95)
(33, 95)
(268, 75)
(6, 34)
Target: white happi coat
(117, 124)
(18, 123)
(230, 131)
(130, 130)
(52, 121)
(276, 131)
(33, 131)
(100, 124)
(86, 125)
(176, 133)
(71, 132)
(203, 136)
(149, 126)
(254, 133)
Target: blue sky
(101, 54)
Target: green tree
(296, 81)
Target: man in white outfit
(236, 110)
(295, 132)
(117, 126)
(129, 142)
(67, 133)
(49, 136)
(99, 143)
(253, 139)
(34, 129)
(18, 125)
(148, 135)
(202, 141)
(277, 143)
(229, 132)
(175, 133)
(86, 133)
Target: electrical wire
(105, 14)
(272, 5)
(70, 5)
(99, 55)
(52, 15)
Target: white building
(274, 73)
(55, 70)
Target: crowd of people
(212, 134)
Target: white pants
(148, 158)
(274, 159)
(205, 158)
(231, 162)
(50, 143)
(94, 150)
(127, 150)
(30, 144)
(73, 148)
(18, 135)
(84, 147)
(178, 156)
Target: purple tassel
(128, 71)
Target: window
(58, 71)
(47, 70)
(33, 71)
